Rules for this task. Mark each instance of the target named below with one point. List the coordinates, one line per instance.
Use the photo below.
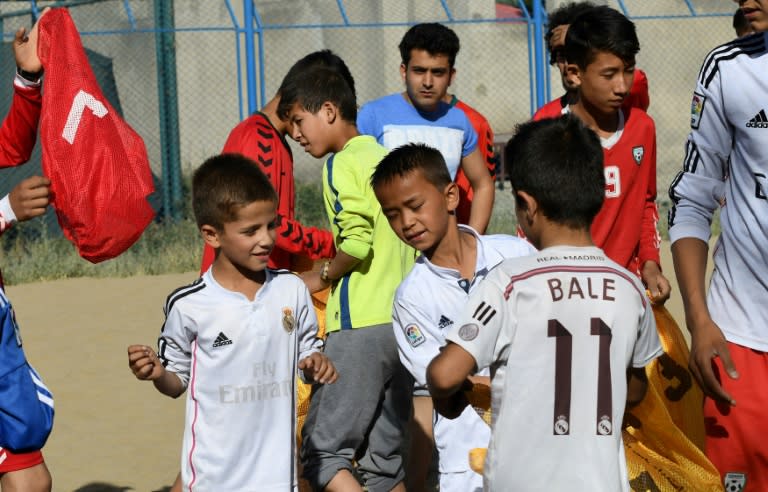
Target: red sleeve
(19, 129)
(638, 95)
(553, 109)
(308, 241)
(650, 241)
(485, 144)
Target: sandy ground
(112, 433)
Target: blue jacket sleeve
(26, 405)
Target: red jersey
(18, 132)
(485, 144)
(625, 228)
(257, 139)
(638, 97)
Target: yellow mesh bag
(664, 434)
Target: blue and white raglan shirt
(26, 404)
(427, 303)
(238, 359)
(726, 165)
(394, 122)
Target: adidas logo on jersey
(444, 322)
(221, 340)
(758, 121)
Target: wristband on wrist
(29, 76)
(324, 272)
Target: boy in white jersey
(236, 338)
(565, 332)
(725, 166)
(419, 200)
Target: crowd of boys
(424, 311)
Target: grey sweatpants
(362, 417)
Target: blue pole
(250, 63)
(262, 60)
(540, 57)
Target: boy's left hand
(30, 197)
(319, 368)
(655, 282)
(25, 47)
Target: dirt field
(112, 432)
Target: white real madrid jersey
(427, 303)
(726, 165)
(558, 330)
(239, 360)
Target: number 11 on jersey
(563, 375)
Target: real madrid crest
(289, 322)
(637, 154)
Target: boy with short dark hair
(261, 138)
(561, 330)
(419, 200)
(557, 28)
(420, 114)
(236, 338)
(361, 418)
(600, 50)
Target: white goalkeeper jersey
(427, 303)
(238, 359)
(558, 330)
(726, 165)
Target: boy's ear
(453, 76)
(329, 111)
(210, 235)
(528, 205)
(403, 70)
(573, 74)
(451, 194)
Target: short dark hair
(321, 58)
(432, 37)
(410, 158)
(559, 162)
(563, 15)
(225, 183)
(600, 29)
(313, 87)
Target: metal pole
(250, 56)
(168, 109)
(540, 56)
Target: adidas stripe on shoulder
(181, 292)
(749, 45)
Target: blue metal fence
(187, 71)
